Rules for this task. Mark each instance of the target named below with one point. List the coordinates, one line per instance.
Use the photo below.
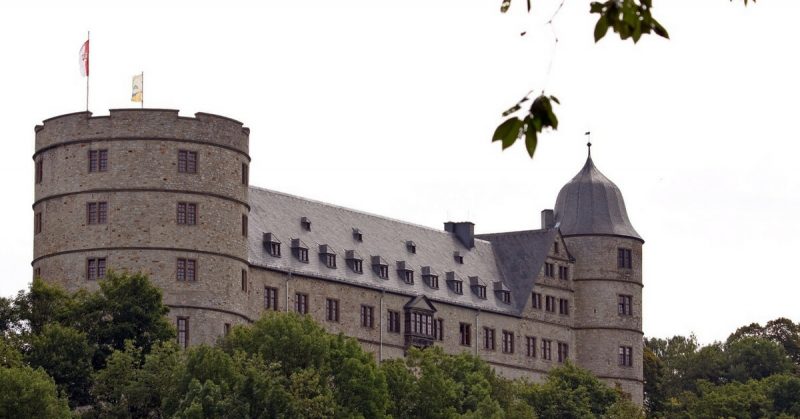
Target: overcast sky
(389, 107)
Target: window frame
(536, 300)
(547, 349)
(37, 223)
(271, 298)
(245, 284)
(489, 338)
(187, 213)
(625, 356)
(98, 160)
(189, 165)
(96, 268)
(186, 270)
(530, 346)
(39, 171)
(301, 303)
(508, 342)
(394, 321)
(563, 352)
(185, 330)
(97, 212)
(625, 305)
(624, 258)
(367, 316)
(332, 310)
(465, 334)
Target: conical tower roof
(590, 204)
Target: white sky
(388, 107)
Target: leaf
(530, 141)
(596, 7)
(529, 6)
(659, 30)
(508, 132)
(555, 99)
(511, 110)
(505, 5)
(601, 28)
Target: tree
(654, 373)
(630, 19)
(29, 393)
(755, 358)
(66, 356)
(572, 392)
(781, 331)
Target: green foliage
(572, 392)
(29, 393)
(781, 331)
(66, 356)
(654, 373)
(540, 116)
(629, 18)
(295, 343)
(755, 358)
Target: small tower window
(411, 247)
(624, 258)
(555, 248)
(305, 222)
(187, 161)
(458, 257)
(39, 171)
(98, 160)
(245, 174)
(357, 236)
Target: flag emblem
(83, 59)
(137, 94)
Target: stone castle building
(148, 190)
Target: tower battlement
(142, 124)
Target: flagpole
(142, 89)
(88, 33)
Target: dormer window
(502, 292)
(272, 245)
(454, 283)
(411, 247)
(380, 267)
(354, 261)
(429, 277)
(305, 222)
(478, 287)
(405, 272)
(357, 236)
(300, 250)
(458, 257)
(327, 256)
(555, 248)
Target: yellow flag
(138, 88)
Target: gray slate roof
(513, 258)
(592, 204)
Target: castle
(148, 190)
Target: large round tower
(147, 190)
(608, 279)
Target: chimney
(464, 231)
(548, 219)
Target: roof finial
(589, 143)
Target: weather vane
(589, 143)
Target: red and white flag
(83, 59)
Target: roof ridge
(369, 214)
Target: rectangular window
(96, 212)
(186, 270)
(95, 268)
(563, 351)
(330, 260)
(37, 223)
(187, 213)
(302, 254)
(187, 161)
(275, 249)
(536, 300)
(301, 303)
(530, 346)
(624, 305)
(625, 356)
(270, 298)
(549, 270)
(332, 310)
(555, 247)
(438, 329)
(37, 272)
(563, 272)
(244, 280)
(624, 258)
(465, 334)
(227, 329)
(394, 321)
(357, 265)
(39, 171)
(563, 306)
(98, 160)
(383, 271)
(488, 339)
(367, 316)
(183, 332)
(550, 303)
(508, 342)
(457, 287)
(419, 323)
(244, 225)
(408, 276)
(245, 174)
(547, 344)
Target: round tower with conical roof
(591, 215)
